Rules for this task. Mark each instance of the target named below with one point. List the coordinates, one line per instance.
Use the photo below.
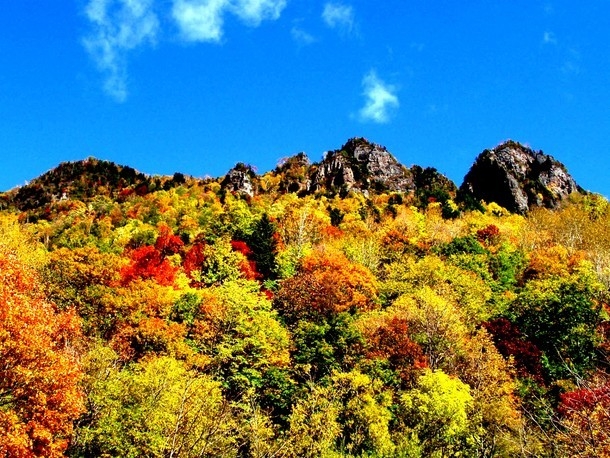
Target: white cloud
(253, 12)
(380, 99)
(119, 26)
(339, 16)
(199, 20)
(202, 20)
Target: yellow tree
(154, 408)
(497, 419)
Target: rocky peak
(360, 164)
(240, 180)
(518, 178)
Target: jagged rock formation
(240, 180)
(511, 175)
(294, 173)
(518, 178)
(361, 165)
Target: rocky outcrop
(518, 178)
(293, 172)
(240, 180)
(361, 165)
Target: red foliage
(167, 243)
(332, 232)
(327, 284)
(241, 247)
(391, 341)
(248, 267)
(585, 399)
(510, 342)
(148, 263)
(397, 242)
(488, 235)
(124, 194)
(194, 258)
(585, 420)
(248, 270)
(142, 189)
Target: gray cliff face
(333, 172)
(518, 178)
(239, 180)
(361, 165)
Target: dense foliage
(171, 318)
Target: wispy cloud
(119, 26)
(381, 100)
(253, 12)
(571, 65)
(302, 37)
(548, 38)
(339, 16)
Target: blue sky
(197, 85)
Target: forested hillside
(348, 308)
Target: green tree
(240, 332)
(560, 315)
(263, 243)
(437, 413)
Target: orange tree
(39, 374)
(327, 284)
(319, 305)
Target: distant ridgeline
(511, 175)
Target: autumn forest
(315, 310)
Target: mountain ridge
(510, 174)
